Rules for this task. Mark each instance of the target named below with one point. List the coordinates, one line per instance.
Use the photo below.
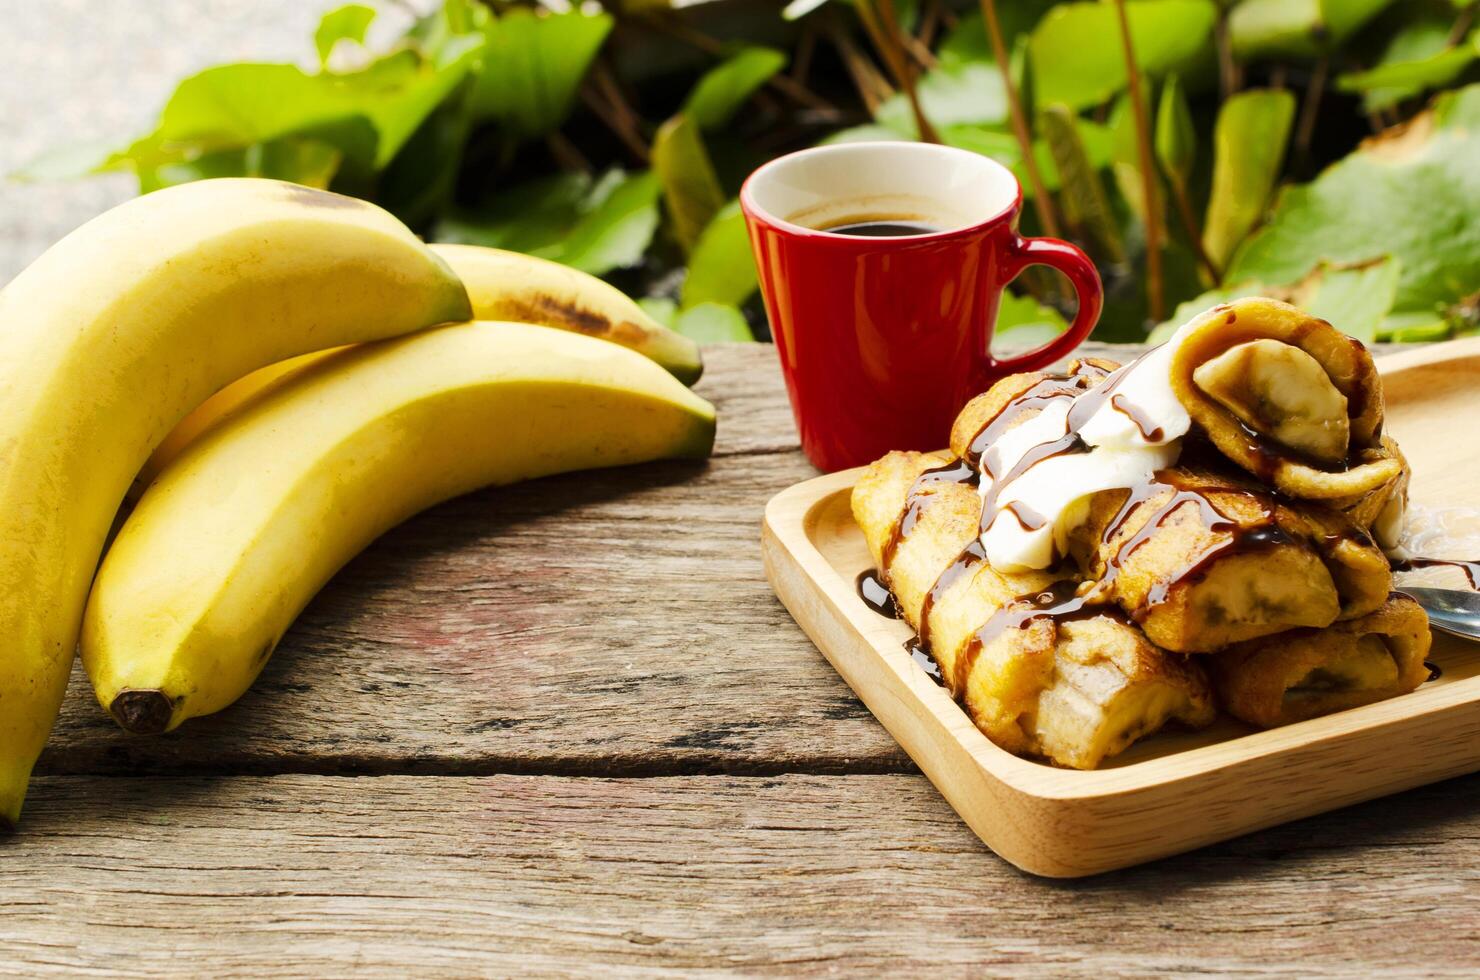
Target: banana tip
(143, 712)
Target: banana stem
(1148, 170)
(1043, 201)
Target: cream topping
(1135, 427)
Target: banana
(511, 286)
(502, 286)
(210, 413)
(237, 535)
(117, 332)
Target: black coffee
(884, 229)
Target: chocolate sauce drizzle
(920, 654)
(876, 595)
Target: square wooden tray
(1174, 791)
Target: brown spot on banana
(544, 308)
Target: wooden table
(566, 724)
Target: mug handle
(1085, 278)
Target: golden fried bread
(1074, 690)
(1308, 673)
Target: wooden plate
(1174, 791)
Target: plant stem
(929, 23)
(1194, 232)
(872, 88)
(883, 29)
(1042, 200)
(566, 154)
(605, 98)
(1461, 26)
(801, 62)
(1313, 92)
(1148, 170)
(1228, 74)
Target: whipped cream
(1134, 429)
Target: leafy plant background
(1325, 151)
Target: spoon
(1455, 611)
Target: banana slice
(1283, 391)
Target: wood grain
(316, 876)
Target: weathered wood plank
(612, 622)
(320, 876)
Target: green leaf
(367, 115)
(867, 133)
(1296, 28)
(347, 23)
(690, 186)
(712, 323)
(1355, 300)
(306, 161)
(593, 227)
(1176, 139)
(721, 91)
(533, 65)
(398, 100)
(234, 106)
(1414, 327)
(953, 92)
(660, 308)
(1458, 110)
(527, 218)
(1076, 51)
(1414, 195)
(999, 144)
(1024, 323)
(616, 227)
(1086, 206)
(1399, 76)
(968, 40)
(1249, 140)
(721, 267)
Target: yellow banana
(511, 286)
(117, 332)
(502, 286)
(237, 535)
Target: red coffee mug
(883, 340)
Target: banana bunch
(263, 364)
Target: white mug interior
(942, 187)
